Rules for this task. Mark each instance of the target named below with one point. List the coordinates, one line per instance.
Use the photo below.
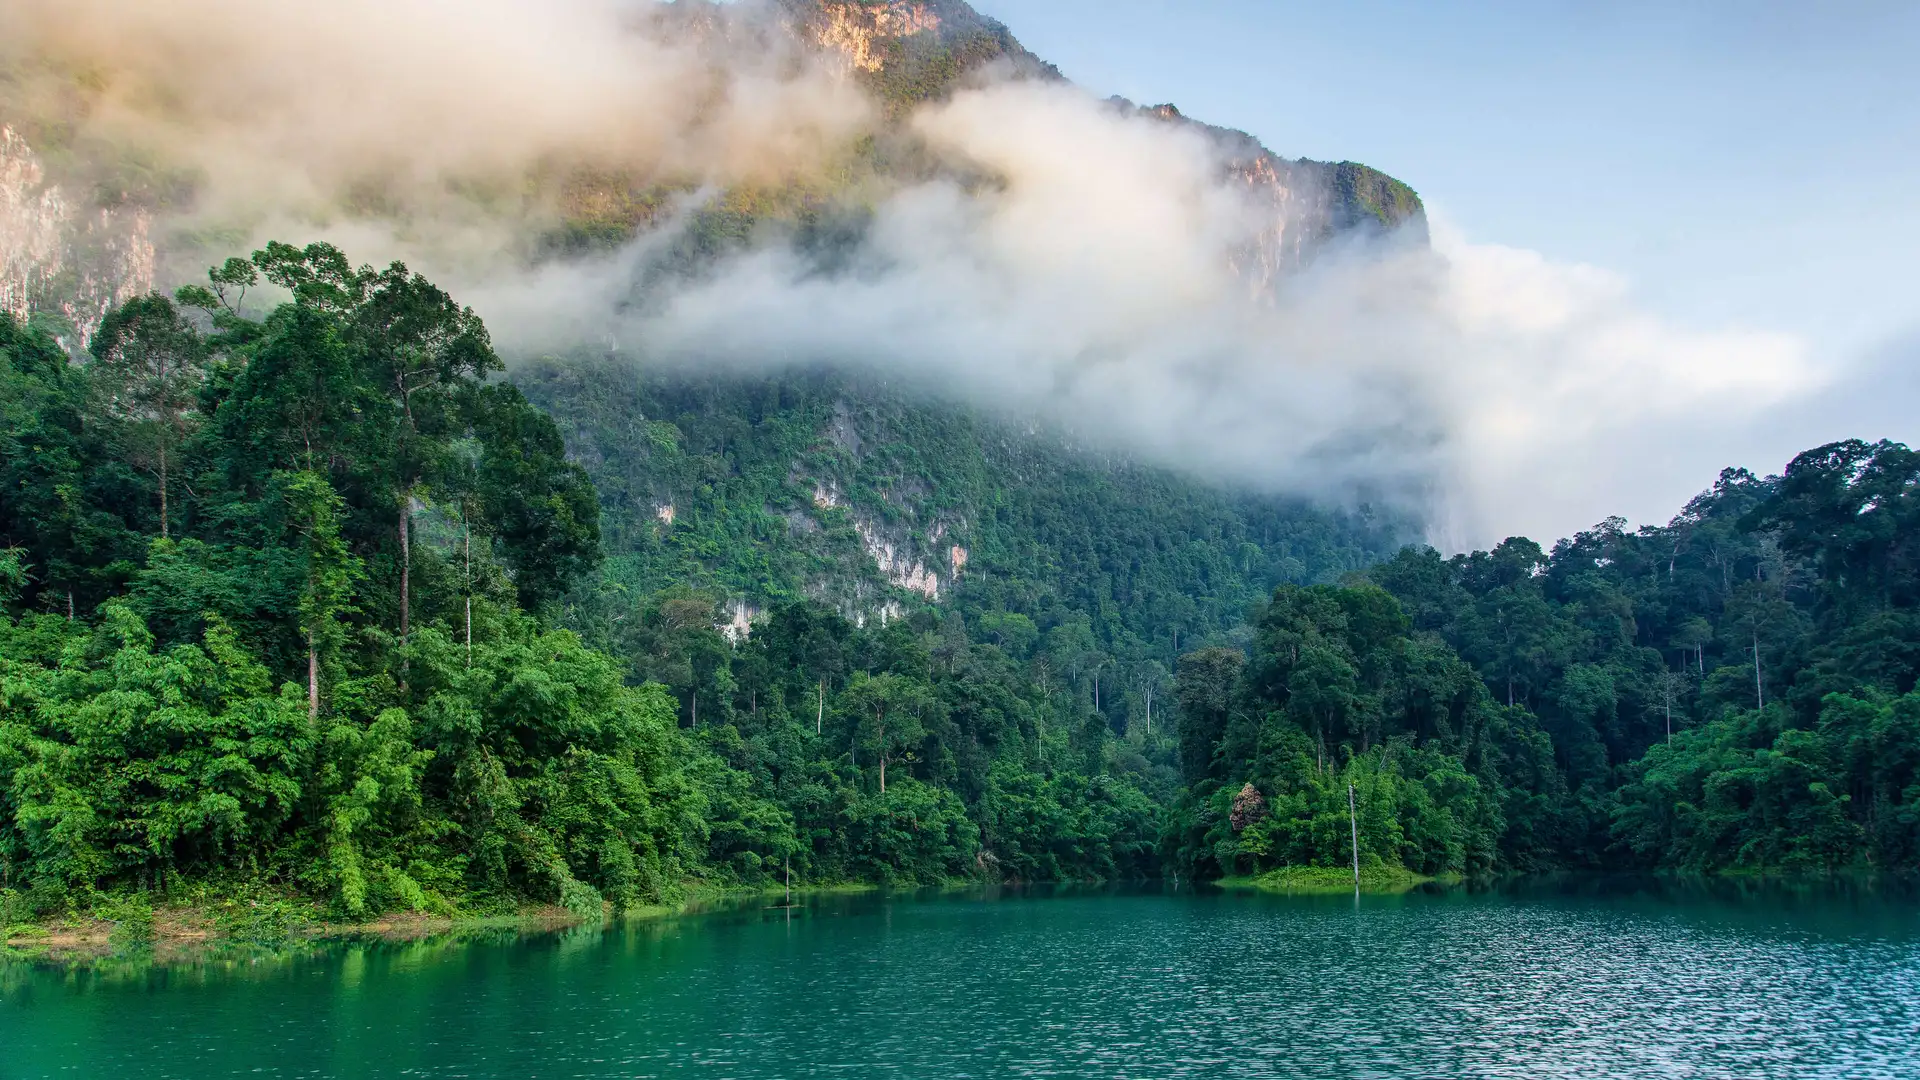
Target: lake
(1584, 979)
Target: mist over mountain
(894, 187)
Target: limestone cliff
(61, 256)
(910, 51)
(861, 32)
(1306, 203)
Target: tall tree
(539, 507)
(149, 363)
(889, 713)
(331, 571)
(1205, 682)
(424, 352)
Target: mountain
(864, 494)
(867, 495)
(875, 499)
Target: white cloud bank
(1065, 259)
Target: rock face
(1248, 807)
(859, 31)
(66, 255)
(1304, 203)
(892, 549)
(33, 217)
(59, 256)
(921, 47)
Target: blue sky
(1748, 165)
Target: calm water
(1569, 982)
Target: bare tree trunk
(883, 759)
(313, 677)
(163, 489)
(1353, 822)
(406, 562)
(466, 543)
(820, 717)
(1759, 692)
(406, 582)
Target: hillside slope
(840, 489)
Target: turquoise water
(1585, 981)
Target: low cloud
(1055, 257)
(444, 129)
(1089, 283)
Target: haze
(1059, 258)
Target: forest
(304, 596)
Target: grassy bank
(1324, 880)
(268, 920)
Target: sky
(1743, 166)
(1750, 163)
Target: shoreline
(123, 927)
(176, 932)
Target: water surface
(1586, 981)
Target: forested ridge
(769, 489)
(303, 599)
(1734, 690)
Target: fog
(1049, 255)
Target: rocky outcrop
(59, 256)
(33, 217)
(1249, 806)
(740, 619)
(857, 31)
(897, 563)
(912, 50)
(1303, 205)
(892, 555)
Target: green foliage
(1731, 691)
(122, 763)
(779, 486)
(1340, 695)
(324, 680)
(1369, 196)
(353, 645)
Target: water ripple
(1100, 985)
